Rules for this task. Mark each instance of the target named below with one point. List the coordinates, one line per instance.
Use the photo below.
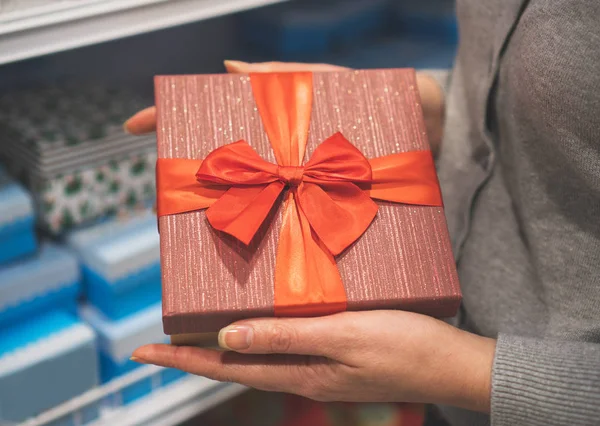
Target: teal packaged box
(120, 264)
(44, 362)
(48, 280)
(17, 223)
(118, 339)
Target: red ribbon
(324, 189)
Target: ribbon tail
(307, 281)
(241, 210)
(406, 177)
(177, 188)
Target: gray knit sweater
(520, 173)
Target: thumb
(239, 67)
(300, 336)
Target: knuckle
(281, 338)
(180, 358)
(318, 391)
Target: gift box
(246, 231)
(44, 362)
(48, 280)
(66, 144)
(17, 233)
(118, 339)
(120, 262)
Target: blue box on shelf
(118, 339)
(48, 280)
(428, 19)
(291, 30)
(400, 52)
(17, 223)
(44, 362)
(120, 264)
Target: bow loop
(236, 164)
(336, 159)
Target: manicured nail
(138, 360)
(236, 338)
(235, 65)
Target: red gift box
(297, 194)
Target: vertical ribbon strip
(307, 281)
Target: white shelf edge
(173, 404)
(110, 20)
(219, 394)
(165, 406)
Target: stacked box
(120, 262)
(67, 145)
(118, 339)
(44, 361)
(49, 280)
(17, 233)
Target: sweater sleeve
(545, 382)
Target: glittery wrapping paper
(403, 261)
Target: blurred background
(79, 257)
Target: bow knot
(337, 210)
(291, 175)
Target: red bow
(325, 189)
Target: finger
(265, 372)
(239, 67)
(142, 122)
(325, 336)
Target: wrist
(463, 364)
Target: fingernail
(235, 65)
(236, 338)
(125, 127)
(138, 360)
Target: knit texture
(545, 383)
(520, 173)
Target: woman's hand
(351, 356)
(432, 97)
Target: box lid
(119, 247)
(40, 338)
(16, 202)
(118, 339)
(402, 261)
(52, 268)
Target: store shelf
(165, 406)
(93, 21)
